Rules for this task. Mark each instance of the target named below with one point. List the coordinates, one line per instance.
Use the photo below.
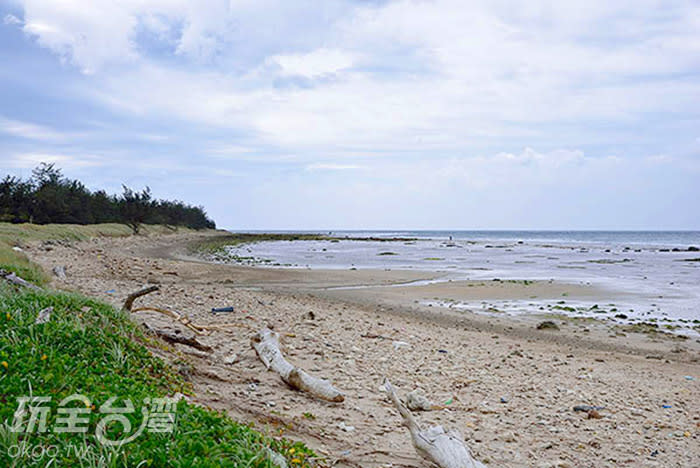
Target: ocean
(647, 274)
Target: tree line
(49, 197)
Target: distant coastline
(648, 276)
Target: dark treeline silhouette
(48, 197)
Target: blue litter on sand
(111, 291)
(222, 309)
(689, 377)
(666, 406)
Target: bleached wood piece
(44, 316)
(60, 272)
(445, 449)
(266, 344)
(12, 278)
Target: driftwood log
(12, 278)
(198, 329)
(183, 319)
(129, 302)
(172, 336)
(445, 449)
(266, 344)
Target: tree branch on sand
(129, 302)
(172, 336)
(444, 449)
(266, 344)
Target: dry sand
(511, 388)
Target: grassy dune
(14, 236)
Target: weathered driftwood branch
(60, 272)
(444, 449)
(129, 302)
(198, 329)
(12, 278)
(173, 337)
(267, 345)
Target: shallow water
(644, 280)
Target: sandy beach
(507, 386)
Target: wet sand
(510, 387)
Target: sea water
(649, 275)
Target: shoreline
(486, 360)
(634, 286)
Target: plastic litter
(588, 408)
(222, 309)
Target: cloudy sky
(366, 114)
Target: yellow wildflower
(4, 364)
(44, 357)
(296, 461)
(291, 451)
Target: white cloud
(332, 167)
(560, 189)
(30, 131)
(433, 76)
(439, 79)
(11, 19)
(314, 64)
(95, 34)
(31, 160)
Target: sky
(367, 114)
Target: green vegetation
(652, 329)
(90, 348)
(217, 245)
(48, 197)
(547, 325)
(15, 261)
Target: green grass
(92, 349)
(12, 260)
